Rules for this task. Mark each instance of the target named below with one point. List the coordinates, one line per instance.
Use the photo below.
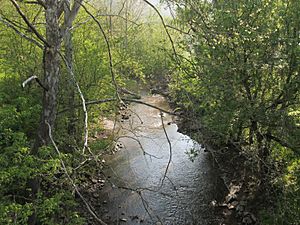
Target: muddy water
(142, 190)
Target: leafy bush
(18, 113)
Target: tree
(243, 84)
(51, 43)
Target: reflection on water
(147, 196)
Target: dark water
(140, 193)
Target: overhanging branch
(101, 101)
(108, 49)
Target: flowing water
(153, 183)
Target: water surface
(141, 190)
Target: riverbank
(240, 203)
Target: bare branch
(25, 19)
(28, 80)
(60, 8)
(283, 143)
(36, 79)
(152, 106)
(170, 149)
(96, 102)
(21, 34)
(109, 51)
(165, 27)
(125, 91)
(123, 6)
(181, 31)
(16, 24)
(38, 2)
(86, 131)
(103, 15)
(91, 211)
(140, 144)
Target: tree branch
(282, 143)
(170, 149)
(22, 34)
(73, 12)
(103, 15)
(25, 19)
(96, 102)
(71, 180)
(165, 27)
(83, 104)
(38, 2)
(108, 49)
(36, 79)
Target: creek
(141, 190)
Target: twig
(140, 144)
(170, 149)
(179, 30)
(102, 15)
(70, 179)
(147, 104)
(36, 3)
(22, 34)
(166, 29)
(25, 19)
(93, 102)
(86, 130)
(137, 115)
(108, 49)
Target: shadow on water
(138, 193)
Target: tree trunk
(51, 74)
(51, 81)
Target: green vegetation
(243, 88)
(34, 188)
(235, 71)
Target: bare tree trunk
(51, 81)
(51, 74)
